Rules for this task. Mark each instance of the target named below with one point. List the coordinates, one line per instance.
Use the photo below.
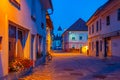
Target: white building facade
(76, 36)
(104, 30)
(22, 31)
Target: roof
(100, 9)
(59, 29)
(79, 25)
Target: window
(97, 26)
(92, 28)
(108, 20)
(12, 31)
(119, 14)
(80, 38)
(16, 3)
(73, 38)
(100, 25)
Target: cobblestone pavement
(76, 67)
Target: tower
(59, 31)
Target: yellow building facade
(22, 31)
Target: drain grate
(77, 74)
(68, 69)
(100, 76)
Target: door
(97, 48)
(12, 42)
(108, 46)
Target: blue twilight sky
(66, 12)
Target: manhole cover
(68, 69)
(100, 76)
(77, 74)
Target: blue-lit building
(57, 40)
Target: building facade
(49, 35)
(22, 31)
(75, 37)
(104, 30)
(57, 40)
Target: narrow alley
(76, 67)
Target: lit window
(73, 38)
(108, 20)
(119, 14)
(80, 38)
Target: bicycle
(48, 57)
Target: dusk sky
(66, 12)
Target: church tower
(59, 31)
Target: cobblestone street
(76, 67)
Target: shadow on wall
(1, 67)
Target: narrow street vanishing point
(76, 67)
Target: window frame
(15, 3)
(73, 38)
